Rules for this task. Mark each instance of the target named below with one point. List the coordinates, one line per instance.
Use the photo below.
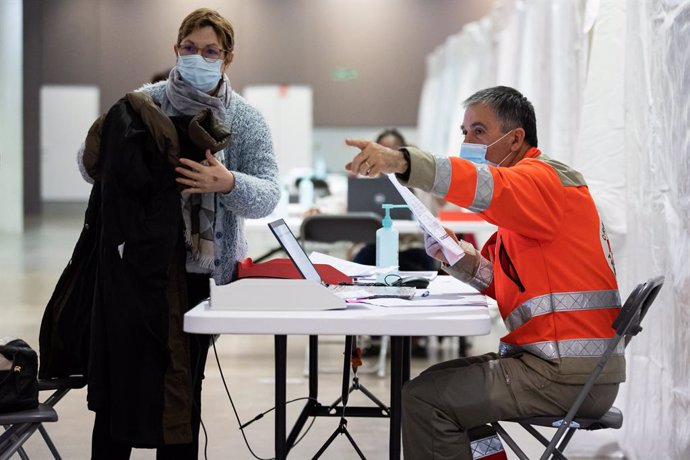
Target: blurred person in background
(160, 76)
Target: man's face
(481, 126)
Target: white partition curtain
(657, 165)
(536, 46)
(610, 82)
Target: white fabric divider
(600, 145)
(538, 47)
(471, 73)
(657, 166)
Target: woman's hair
(392, 132)
(205, 17)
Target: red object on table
(284, 268)
(455, 214)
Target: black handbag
(18, 376)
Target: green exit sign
(343, 74)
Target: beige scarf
(198, 210)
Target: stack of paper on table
(442, 300)
(360, 271)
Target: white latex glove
(433, 248)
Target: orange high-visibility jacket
(549, 266)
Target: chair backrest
(627, 323)
(331, 228)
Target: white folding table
(358, 319)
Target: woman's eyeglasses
(210, 53)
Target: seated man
(549, 267)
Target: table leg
(397, 361)
(407, 351)
(308, 409)
(280, 396)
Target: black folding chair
(354, 227)
(21, 425)
(627, 325)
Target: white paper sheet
(430, 224)
(431, 301)
(364, 273)
(349, 268)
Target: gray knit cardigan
(251, 159)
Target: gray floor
(30, 265)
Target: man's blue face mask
(476, 153)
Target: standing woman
(240, 181)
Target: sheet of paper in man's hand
(429, 223)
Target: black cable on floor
(203, 427)
(242, 426)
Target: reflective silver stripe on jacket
(444, 172)
(484, 276)
(562, 301)
(485, 189)
(486, 447)
(575, 348)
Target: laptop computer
(306, 268)
(367, 195)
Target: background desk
(355, 320)
(261, 240)
(403, 226)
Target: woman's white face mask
(199, 73)
(476, 153)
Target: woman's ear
(228, 60)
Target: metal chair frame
(627, 325)
(21, 425)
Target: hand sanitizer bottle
(320, 170)
(306, 193)
(387, 240)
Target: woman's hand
(205, 179)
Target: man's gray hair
(512, 109)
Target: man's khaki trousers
(449, 399)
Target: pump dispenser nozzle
(387, 239)
(387, 221)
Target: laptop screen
(294, 250)
(367, 195)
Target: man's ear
(517, 139)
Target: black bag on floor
(18, 376)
